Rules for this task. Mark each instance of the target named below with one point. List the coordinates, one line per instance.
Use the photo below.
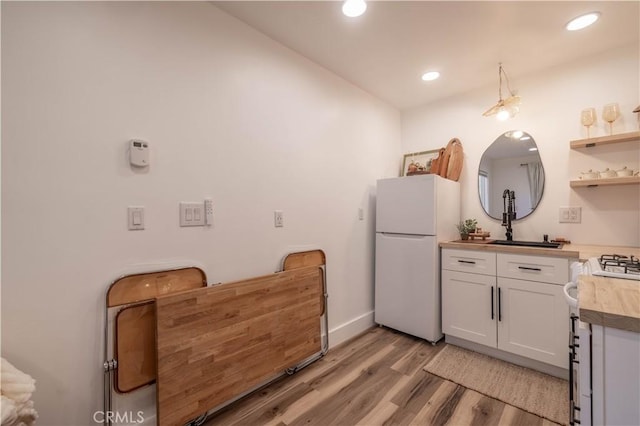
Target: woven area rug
(543, 395)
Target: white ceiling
(386, 50)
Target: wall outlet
(570, 214)
(360, 213)
(278, 218)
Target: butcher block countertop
(610, 302)
(586, 250)
(571, 251)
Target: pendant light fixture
(505, 108)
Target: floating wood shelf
(630, 180)
(605, 140)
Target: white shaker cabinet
(514, 304)
(533, 321)
(534, 312)
(468, 296)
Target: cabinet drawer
(477, 262)
(534, 268)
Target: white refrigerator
(413, 214)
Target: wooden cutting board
(218, 342)
(436, 163)
(444, 162)
(456, 157)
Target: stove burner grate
(619, 263)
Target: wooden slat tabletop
(217, 342)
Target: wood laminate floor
(374, 379)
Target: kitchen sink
(544, 244)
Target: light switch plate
(191, 214)
(278, 218)
(135, 215)
(570, 214)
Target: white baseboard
(350, 329)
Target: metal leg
(198, 420)
(107, 373)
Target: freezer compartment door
(407, 289)
(406, 205)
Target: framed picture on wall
(421, 159)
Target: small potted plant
(466, 227)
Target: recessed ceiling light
(354, 8)
(583, 21)
(431, 75)
(517, 134)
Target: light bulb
(354, 8)
(502, 114)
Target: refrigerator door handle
(394, 235)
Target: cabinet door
(533, 321)
(467, 301)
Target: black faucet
(509, 212)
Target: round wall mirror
(511, 162)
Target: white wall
(550, 112)
(229, 114)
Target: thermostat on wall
(138, 153)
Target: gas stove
(614, 266)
